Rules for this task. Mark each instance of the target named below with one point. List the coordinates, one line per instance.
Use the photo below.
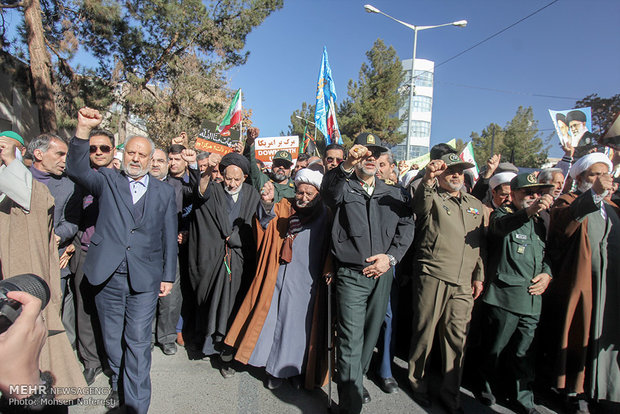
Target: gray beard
(278, 177)
(232, 192)
(584, 186)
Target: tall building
(418, 128)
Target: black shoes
(227, 371)
(365, 396)
(90, 374)
(169, 349)
(112, 401)
(388, 385)
(273, 383)
(486, 398)
(422, 399)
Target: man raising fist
(372, 230)
(131, 258)
(520, 272)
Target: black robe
(219, 293)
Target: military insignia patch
(532, 178)
(370, 139)
(508, 210)
(454, 157)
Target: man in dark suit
(132, 255)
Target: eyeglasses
(332, 159)
(104, 148)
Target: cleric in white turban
(587, 161)
(308, 176)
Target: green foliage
(374, 99)
(520, 137)
(161, 60)
(604, 111)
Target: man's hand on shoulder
(88, 119)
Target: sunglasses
(532, 192)
(104, 148)
(332, 159)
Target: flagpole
(241, 137)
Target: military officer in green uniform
(448, 275)
(519, 272)
(280, 175)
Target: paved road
(182, 385)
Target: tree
(374, 99)
(40, 61)
(140, 47)
(520, 138)
(604, 111)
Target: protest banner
(265, 148)
(209, 140)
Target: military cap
(283, 155)
(453, 159)
(370, 141)
(527, 180)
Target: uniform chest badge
(508, 210)
(447, 210)
(521, 249)
(473, 211)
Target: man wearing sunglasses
(334, 155)
(89, 340)
(519, 272)
(101, 148)
(372, 231)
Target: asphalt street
(184, 385)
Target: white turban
(501, 178)
(589, 160)
(308, 176)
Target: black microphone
(10, 309)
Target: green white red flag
(467, 155)
(233, 116)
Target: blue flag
(325, 112)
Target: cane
(330, 346)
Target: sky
(567, 50)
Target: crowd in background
(514, 275)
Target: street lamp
(460, 23)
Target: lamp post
(460, 23)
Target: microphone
(10, 309)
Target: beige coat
(27, 246)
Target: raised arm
(78, 162)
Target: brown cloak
(248, 324)
(570, 294)
(27, 245)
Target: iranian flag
(467, 155)
(233, 116)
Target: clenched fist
(88, 119)
(603, 183)
(356, 154)
(543, 203)
(433, 170)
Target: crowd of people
(267, 266)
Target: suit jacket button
(133, 231)
(128, 248)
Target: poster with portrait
(265, 148)
(573, 125)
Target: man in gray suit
(132, 255)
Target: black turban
(234, 158)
